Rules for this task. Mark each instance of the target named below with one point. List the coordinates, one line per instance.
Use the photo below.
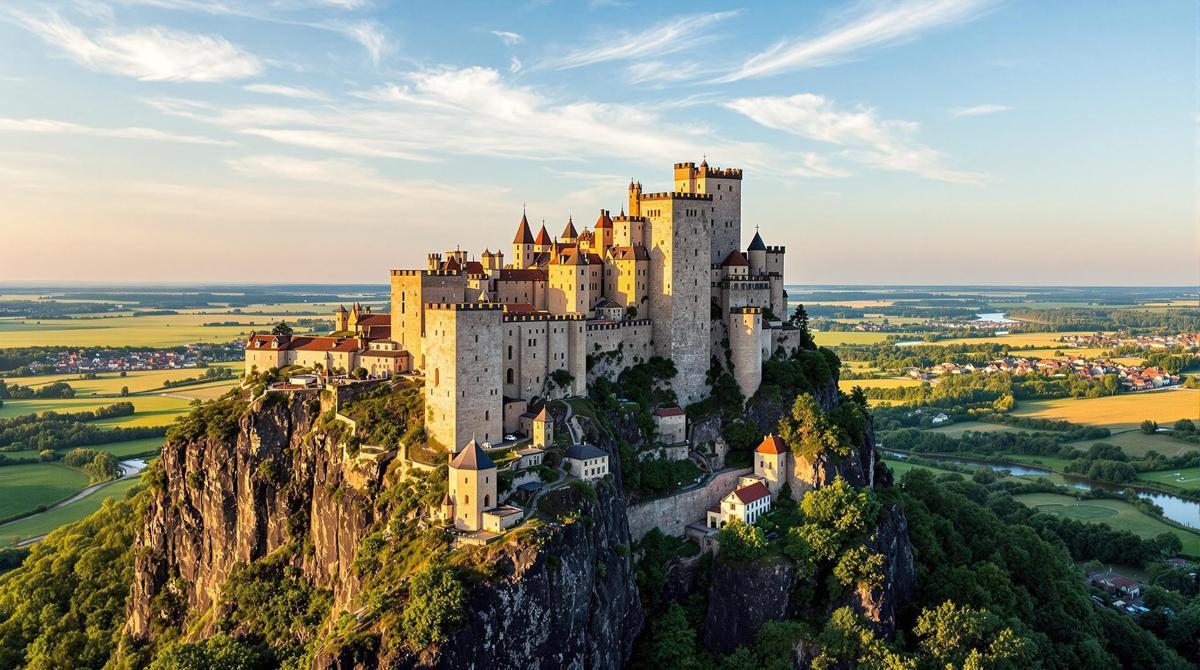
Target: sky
(1013, 142)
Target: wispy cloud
(370, 34)
(508, 38)
(515, 65)
(868, 139)
(668, 37)
(54, 127)
(660, 72)
(149, 53)
(977, 110)
(869, 26)
(298, 92)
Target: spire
(543, 237)
(523, 235)
(756, 244)
(569, 233)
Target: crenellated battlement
(517, 318)
(614, 325)
(464, 306)
(675, 195)
(427, 273)
(776, 250)
(631, 218)
(746, 309)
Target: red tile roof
(384, 353)
(375, 320)
(771, 445)
(529, 274)
(523, 234)
(669, 411)
(735, 259)
(542, 237)
(756, 491)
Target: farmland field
(889, 383)
(134, 331)
(149, 410)
(110, 383)
(1041, 340)
(42, 524)
(1120, 411)
(957, 429)
(829, 338)
(1116, 513)
(27, 486)
(1137, 444)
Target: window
(509, 375)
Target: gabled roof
(636, 252)
(584, 452)
(543, 237)
(522, 274)
(472, 457)
(669, 411)
(375, 319)
(523, 234)
(519, 308)
(735, 259)
(771, 444)
(756, 244)
(748, 494)
(569, 232)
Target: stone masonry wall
(671, 514)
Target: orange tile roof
(749, 494)
(771, 445)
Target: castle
(668, 277)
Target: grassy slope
(80, 509)
(1118, 514)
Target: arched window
(436, 376)
(510, 353)
(487, 502)
(508, 376)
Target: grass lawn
(1187, 478)
(889, 383)
(24, 487)
(149, 410)
(110, 383)
(1119, 411)
(957, 429)
(1116, 513)
(76, 511)
(829, 338)
(145, 447)
(899, 467)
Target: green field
(957, 429)
(110, 383)
(149, 410)
(900, 466)
(1116, 513)
(1137, 444)
(27, 486)
(134, 331)
(1118, 412)
(42, 524)
(146, 447)
(1187, 478)
(1041, 340)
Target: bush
(437, 604)
(741, 543)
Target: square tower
(771, 462)
(463, 399)
(411, 291)
(725, 186)
(471, 486)
(679, 243)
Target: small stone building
(472, 486)
(670, 425)
(586, 462)
(771, 462)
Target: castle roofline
(715, 172)
(672, 195)
(429, 273)
(464, 306)
(523, 236)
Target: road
(130, 468)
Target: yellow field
(1120, 411)
(1047, 340)
(133, 331)
(833, 338)
(202, 391)
(891, 383)
(110, 383)
(855, 304)
(149, 410)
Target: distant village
(1184, 341)
(70, 360)
(1130, 377)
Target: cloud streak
(662, 39)
(508, 38)
(149, 54)
(881, 26)
(868, 139)
(977, 110)
(297, 92)
(54, 127)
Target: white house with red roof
(745, 503)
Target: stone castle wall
(671, 514)
(614, 347)
(463, 395)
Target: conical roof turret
(569, 233)
(524, 235)
(756, 244)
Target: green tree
(741, 542)
(124, 391)
(437, 604)
(219, 652)
(1149, 427)
(808, 432)
(282, 328)
(799, 321)
(672, 641)
(961, 637)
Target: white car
(510, 438)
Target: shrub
(437, 604)
(741, 543)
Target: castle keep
(667, 276)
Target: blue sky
(895, 141)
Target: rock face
(879, 605)
(568, 603)
(744, 597)
(228, 500)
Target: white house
(745, 503)
(586, 462)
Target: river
(1180, 510)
